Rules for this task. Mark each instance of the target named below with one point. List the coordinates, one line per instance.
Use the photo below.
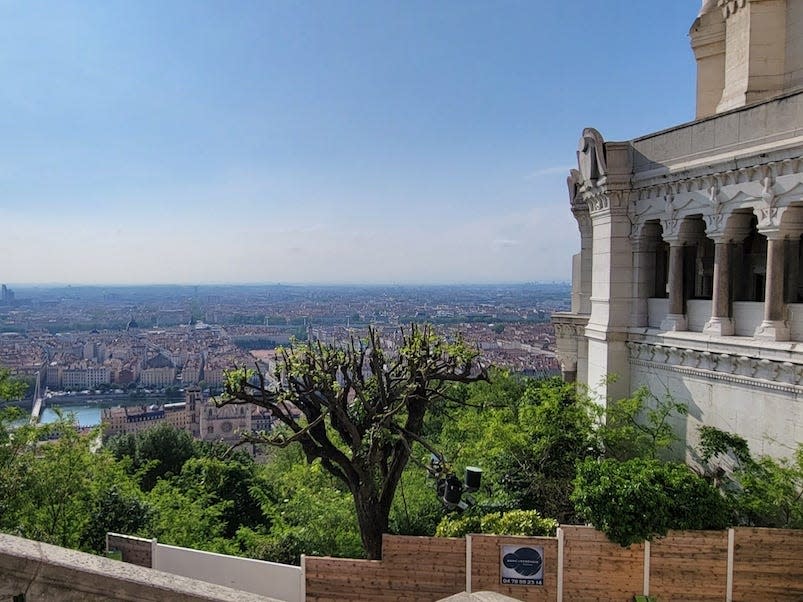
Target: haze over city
(369, 142)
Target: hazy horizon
(27, 285)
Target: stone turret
(746, 52)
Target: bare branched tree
(360, 408)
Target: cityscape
(101, 347)
(426, 302)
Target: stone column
(774, 326)
(675, 318)
(644, 243)
(721, 323)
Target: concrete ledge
(46, 572)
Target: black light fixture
(452, 491)
(473, 478)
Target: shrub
(513, 522)
(643, 498)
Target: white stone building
(690, 273)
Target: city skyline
(311, 143)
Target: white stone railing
(282, 581)
(657, 308)
(747, 316)
(698, 312)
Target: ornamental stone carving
(759, 372)
(714, 221)
(729, 7)
(591, 156)
(768, 213)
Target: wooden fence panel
(597, 570)
(689, 566)
(767, 565)
(412, 569)
(486, 558)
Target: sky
(335, 141)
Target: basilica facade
(689, 278)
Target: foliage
(715, 443)
(68, 496)
(308, 512)
(363, 408)
(119, 509)
(513, 522)
(218, 481)
(416, 509)
(527, 447)
(640, 426)
(763, 492)
(184, 519)
(642, 498)
(771, 492)
(459, 525)
(10, 387)
(16, 452)
(155, 453)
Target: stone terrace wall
(135, 550)
(44, 572)
(726, 133)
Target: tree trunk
(372, 518)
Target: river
(86, 414)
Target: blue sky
(329, 141)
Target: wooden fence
(412, 569)
(738, 565)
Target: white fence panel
(282, 581)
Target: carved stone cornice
(565, 330)
(601, 199)
(683, 182)
(742, 369)
(730, 7)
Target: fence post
(560, 564)
(729, 578)
(303, 585)
(468, 564)
(647, 567)
(154, 548)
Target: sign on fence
(522, 565)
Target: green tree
(363, 408)
(155, 453)
(223, 481)
(183, 519)
(764, 492)
(527, 446)
(17, 446)
(69, 489)
(640, 426)
(643, 498)
(10, 387)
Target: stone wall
(44, 572)
(135, 550)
